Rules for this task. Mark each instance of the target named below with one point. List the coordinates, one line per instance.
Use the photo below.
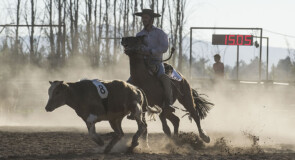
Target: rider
(156, 44)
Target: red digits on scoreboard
(248, 39)
(241, 41)
(225, 40)
(231, 39)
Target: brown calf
(123, 98)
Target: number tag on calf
(102, 90)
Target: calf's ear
(50, 82)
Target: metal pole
(260, 54)
(190, 54)
(238, 58)
(267, 43)
(2, 29)
(28, 25)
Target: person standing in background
(218, 67)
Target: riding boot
(165, 80)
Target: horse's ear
(50, 82)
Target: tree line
(93, 28)
(89, 28)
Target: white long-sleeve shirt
(156, 42)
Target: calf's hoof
(129, 150)
(99, 142)
(107, 150)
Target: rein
(171, 53)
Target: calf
(84, 97)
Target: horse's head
(132, 43)
(57, 95)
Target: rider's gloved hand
(131, 50)
(145, 50)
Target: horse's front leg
(165, 126)
(91, 130)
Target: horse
(108, 101)
(196, 105)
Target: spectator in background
(218, 67)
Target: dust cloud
(24, 93)
(248, 115)
(241, 110)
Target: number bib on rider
(102, 90)
(174, 75)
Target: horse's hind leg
(141, 128)
(116, 126)
(187, 101)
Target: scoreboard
(223, 39)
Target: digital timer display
(221, 39)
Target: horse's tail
(202, 105)
(150, 110)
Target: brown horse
(197, 106)
(122, 99)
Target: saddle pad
(174, 75)
(102, 90)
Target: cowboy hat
(148, 12)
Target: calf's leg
(141, 127)
(116, 126)
(91, 129)
(145, 133)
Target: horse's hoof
(204, 137)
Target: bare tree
(58, 49)
(181, 22)
(95, 58)
(106, 19)
(64, 33)
(124, 17)
(115, 32)
(76, 29)
(152, 4)
(32, 56)
(16, 30)
(163, 11)
(88, 25)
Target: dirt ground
(74, 143)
